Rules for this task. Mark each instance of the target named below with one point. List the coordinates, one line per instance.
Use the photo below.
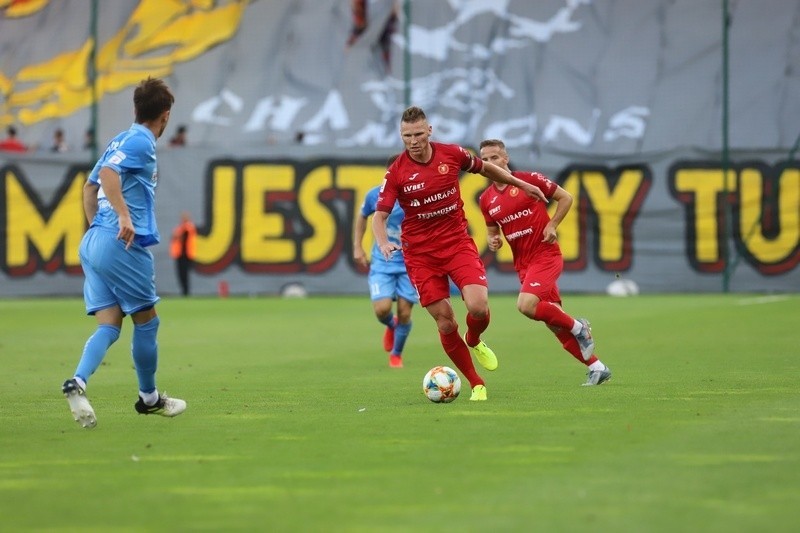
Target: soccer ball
(441, 384)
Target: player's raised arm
(495, 173)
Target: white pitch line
(763, 299)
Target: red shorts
(429, 272)
(541, 277)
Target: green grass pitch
(295, 422)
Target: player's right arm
(493, 238)
(90, 190)
(359, 229)
(381, 237)
(387, 196)
(112, 187)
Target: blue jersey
(377, 262)
(132, 155)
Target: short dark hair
(493, 142)
(150, 99)
(413, 114)
(12, 131)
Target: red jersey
(430, 196)
(521, 218)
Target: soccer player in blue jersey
(119, 202)
(388, 278)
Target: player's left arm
(563, 204)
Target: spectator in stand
(59, 142)
(179, 139)
(88, 139)
(11, 143)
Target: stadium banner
(683, 171)
(265, 222)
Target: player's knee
(447, 325)
(526, 309)
(526, 304)
(479, 308)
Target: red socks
(458, 352)
(553, 315)
(476, 326)
(570, 344)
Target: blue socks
(401, 332)
(144, 350)
(95, 350)
(388, 321)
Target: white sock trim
(149, 398)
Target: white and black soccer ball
(441, 384)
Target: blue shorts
(114, 275)
(384, 285)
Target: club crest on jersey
(514, 191)
(443, 168)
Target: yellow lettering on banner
(360, 179)
(705, 187)
(611, 206)
(214, 246)
(27, 229)
(263, 236)
(323, 224)
(770, 250)
(569, 229)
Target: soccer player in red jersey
(435, 241)
(531, 234)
